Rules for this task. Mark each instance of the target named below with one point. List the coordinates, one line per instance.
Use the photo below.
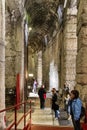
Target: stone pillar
(70, 46)
(45, 67)
(19, 65)
(39, 69)
(81, 73)
(53, 76)
(22, 63)
(10, 53)
(54, 63)
(14, 51)
(51, 64)
(2, 62)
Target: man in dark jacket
(42, 96)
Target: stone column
(19, 65)
(2, 62)
(70, 46)
(39, 69)
(53, 76)
(81, 73)
(45, 67)
(22, 64)
(14, 52)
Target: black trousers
(76, 124)
(42, 103)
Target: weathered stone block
(70, 28)
(82, 91)
(81, 79)
(70, 77)
(70, 43)
(82, 37)
(70, 35)
(82, 60)
(71, 20)
(2, 52)
(11, 81)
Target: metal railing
(15, 123)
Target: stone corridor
(42, 40)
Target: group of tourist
(72, 104)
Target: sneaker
(59, 116)
(56, 118)
(58, 112)
(69, 118)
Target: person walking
(66, 100)
(75, 109)
(55, 106)
(42, 96)
(34, 86)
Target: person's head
(42, 86)
(64, 85)
(53, 90)
(74, 94)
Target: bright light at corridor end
(31, 75)
(30, 29)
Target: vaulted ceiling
(43, 18)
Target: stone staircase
(43, 118)
(46, 116)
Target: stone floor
(42, 116)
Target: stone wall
(2, 62)
(14, 53)
(81, 73)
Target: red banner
(18, 89)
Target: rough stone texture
(14, 53)
(70, 47)
(81, 73)
(44, 20)
(2, 62)
(61, 48)
(51, 54)
(11, 53)
(32, 62)
(82, 61)
(45, 67)
(39, 69)
(82, 37)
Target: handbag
(44, 95)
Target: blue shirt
(76, 108)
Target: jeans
(57, 114)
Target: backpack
(83, 112)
